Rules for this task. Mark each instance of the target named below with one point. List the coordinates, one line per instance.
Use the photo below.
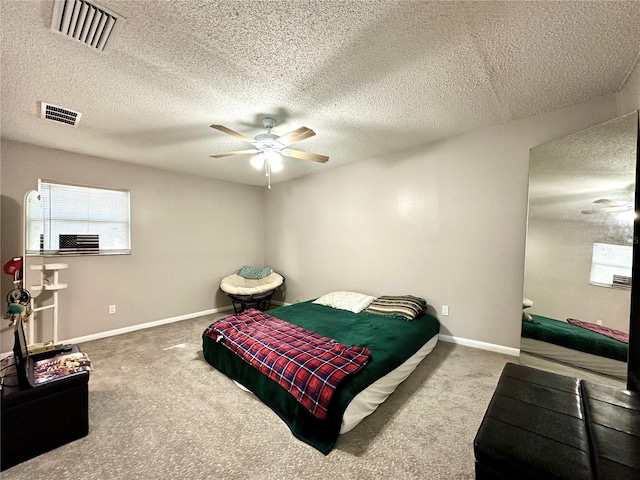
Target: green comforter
(571, 336)
(391, 342)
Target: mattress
(595, 363)
(369, 399)
(366, 402)
(396, 346)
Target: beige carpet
(159, 411)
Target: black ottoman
(534, 428)
(613, 420)
(40, 419)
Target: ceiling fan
(605, 205)
(269, 148)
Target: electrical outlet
(112, 309)
(445, 310)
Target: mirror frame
(633, 360)
(632, 235)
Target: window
(78, 220)
(611, 265)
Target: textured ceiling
(568, 174)
(370, 77)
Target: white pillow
(351, 301)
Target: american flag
(79, 243)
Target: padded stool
(613, 420)
(42, 418)
(533, 428)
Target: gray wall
(446, 221)
(187, 233)
(558, 266)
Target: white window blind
(88, 220)
(611, 265)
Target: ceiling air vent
(84, 22)
(59, 114)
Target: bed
(396, 348)
(564, 342)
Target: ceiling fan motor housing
(269, 122)
(268, 141)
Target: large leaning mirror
(577, 295)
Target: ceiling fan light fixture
(274, 159)
(276, 166)
(257, 162)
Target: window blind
(87, 219)
(611, 265)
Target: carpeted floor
(159, 411)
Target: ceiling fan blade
(224, 129)
(608, 201)
(296, 136)
(304, 155)
(238, 152)
(620, 208)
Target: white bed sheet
(366, 402)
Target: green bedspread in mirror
(391, 342)
(571, 336)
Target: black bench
(37, 420)
(540, 425)
(38, 417)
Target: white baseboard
(142, 326)
(280, 304)
(133, 328)
(515, 352)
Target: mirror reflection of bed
(577, 295)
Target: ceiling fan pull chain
(267, 167)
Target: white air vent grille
(59, 114)
(84, 22)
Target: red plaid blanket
(307, 365)
(601, 329)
